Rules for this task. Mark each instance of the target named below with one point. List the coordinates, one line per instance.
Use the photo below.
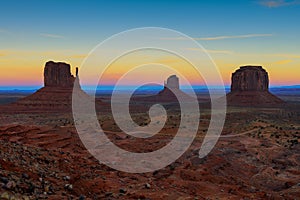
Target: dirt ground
(257, 157)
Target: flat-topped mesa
(58, 74)
(250, 78)
(250, 87)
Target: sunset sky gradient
(234, 33)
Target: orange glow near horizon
(22, 69)
(168, 64)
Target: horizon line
(86, 87)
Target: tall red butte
(55, 96)
(250, 87)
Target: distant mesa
(250, 78)
(56, 95)
(171, 89)
(172, 82)
(169, 94)
(250, 87)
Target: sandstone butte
(168, 94)
(250, 87)
(55, 96)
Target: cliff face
(56, 95)
(250, 87)
(250, 78)
(172, 82)
(169, 94)
(58, 75)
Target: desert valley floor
(257, 157)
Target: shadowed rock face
(55, 96)
(58, 75)
(172, 82)
(169, 94)
(250, 87)
(250, 78)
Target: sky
(234, 33)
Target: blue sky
(89, 21)
(258, 31)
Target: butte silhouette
(55, 96)
(250, 87)
(169, 93)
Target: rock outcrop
(58, 75)
(56, 95)
(172, 82)
(169, 94)
(171, 90)
(250, 78)
(250, 87)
